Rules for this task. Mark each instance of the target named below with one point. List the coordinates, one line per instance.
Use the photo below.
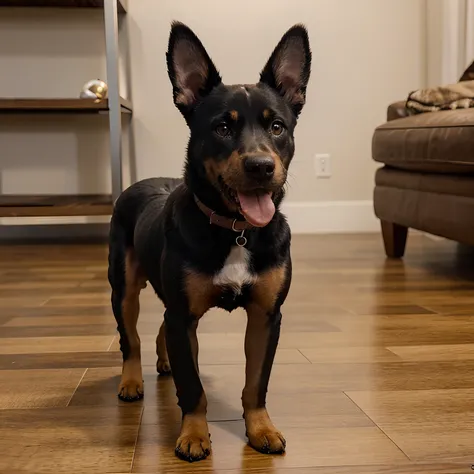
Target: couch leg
(394, 239)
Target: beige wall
(366, 53)
(434, 39)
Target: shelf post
(111, 18)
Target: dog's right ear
(191, 70)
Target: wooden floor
(374, 374)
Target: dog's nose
(259, 167)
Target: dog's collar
(225, 222)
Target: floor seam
(378, 427)
(230, 420)
(304, 356)
(111, 344)
(77, 386)
(136, 439)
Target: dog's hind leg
(162, 364)
(126, 281)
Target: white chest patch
(236, 272)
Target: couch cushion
(433, 142)
(451, 184)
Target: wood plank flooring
(374, 373)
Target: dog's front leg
(261, 341)
(193, 443)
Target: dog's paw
(262, 434)
(163, 367)
(193, 448)
(267, 441)
(131, 390)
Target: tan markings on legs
(261, 432)
(267, 288)
(260, 346)
(131, 385)
(194, 442)
(163, 366)
(201, 293)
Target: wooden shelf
(70, 106)
(57, 205)
(74, 205)
(60, 4)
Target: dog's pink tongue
(257, 208)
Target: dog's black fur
(158, 234)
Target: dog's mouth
(256, 205)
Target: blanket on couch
(450, 97)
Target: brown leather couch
(427, 178)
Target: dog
(215, 238)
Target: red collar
(221, 221)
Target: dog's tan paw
(193, 448)
(131, 384)
(262, 435)
(267, 441)
(131, 390)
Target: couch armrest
(397, 110)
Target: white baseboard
(53, 220)
(331, 217)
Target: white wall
(450, 39)
(366, 54)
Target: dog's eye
(223, 130)
(277, 128)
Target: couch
(426, 178)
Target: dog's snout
(259, 167)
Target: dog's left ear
(190, 69)
(289, 67)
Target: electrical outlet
(322, 165)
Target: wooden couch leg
(394, 238)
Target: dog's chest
(235, 273)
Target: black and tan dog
(217, 238)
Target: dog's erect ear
(289, 67)
(191, 71)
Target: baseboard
(331, 217)
(54, 233)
